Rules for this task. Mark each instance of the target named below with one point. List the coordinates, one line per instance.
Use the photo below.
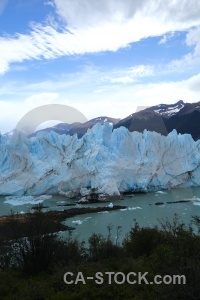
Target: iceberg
(103, 162)
(21, 200)
(77, 222)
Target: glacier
(104, 162)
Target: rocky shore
(56, 217)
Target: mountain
(168, 110)
(163, 118)
(61, 128)
(104, 162)
(79, 128)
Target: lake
(139, 206)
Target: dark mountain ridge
(162, 118)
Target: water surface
(140, 207)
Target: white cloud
(49, 3)
(163, 40)
(166, 37)
(193, 39)
(124, 79)
(122, 101)
(128, 75)
(4, 66)
(12, 111)
(44, 98)
(167, 92)
(87, 13)
(193, 57)
(93, 26)
(113, 100)
(194, 83)
(141, 71)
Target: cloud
(87, 13)
(4, 66)
(122, 101)
(113, 100)
(12, 111)
(124, 79)
(88, 26)
(194, 83)
(49, 3)
(166, 37)
(193, 39)
(193, 57)
(128, 75)
(167, 92)
(44, 98)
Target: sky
(102, 57)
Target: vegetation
(33, 261)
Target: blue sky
(102, 57)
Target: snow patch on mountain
(169, 110)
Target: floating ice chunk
(77, 222)
(196, 198)
(134, 208)
(110, 205)
(196, 203)
(87, 218)
(44, 197)
(83, 200)
(22, 200)
(160, 192)
(19, 197)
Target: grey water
(140, 207)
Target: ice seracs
(103, 163)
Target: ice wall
(103, 161)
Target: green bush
(142, 241)
(37, 252)
(35, 246)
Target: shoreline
(54, 216)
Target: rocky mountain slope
(163, 118)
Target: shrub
(142, 241)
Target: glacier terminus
(104, 162)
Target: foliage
(34, 262)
